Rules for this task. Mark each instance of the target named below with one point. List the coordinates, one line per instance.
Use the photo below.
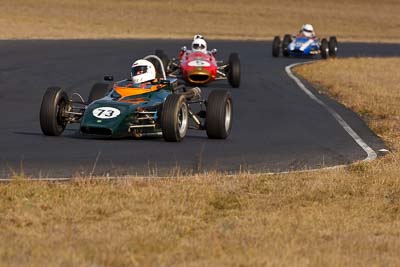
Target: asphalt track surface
(276, 126)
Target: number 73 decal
(106, 112)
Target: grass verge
(370, 86)
(344, 217)
(356, 20)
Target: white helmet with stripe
(307, 30)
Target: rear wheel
(164, 58)
(219, 114)
(234, 70)
(276, 45)
(174, 118)
(324, 49)
(99, 90)
(52, 111)
(287, 39)
(333, 46)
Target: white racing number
(106, 112)
(199, 63)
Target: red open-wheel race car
(200, 66)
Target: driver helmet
(142, 71)
(199, 45)
(307, 30)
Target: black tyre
(164, 58)
(287, 39)
(324, 49)
(333, 46)
(99, 90)
(52, 111)
(174, 118)
(234, 70)
(219, 114)
(276, 46)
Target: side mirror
(109, 78)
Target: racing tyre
(174, 118)
(219, 114)
(276, 45)
(99, 90)
(164, 58)
(324, 49)
(333, 46)
(52, 111)
(287, 39)
(234, 70)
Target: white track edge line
(371, 154)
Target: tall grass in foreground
(344, 217)
(336, 218)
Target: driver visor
(198, 46)
(305, 30)
(137, 70)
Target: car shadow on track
(73, 134)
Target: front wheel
(324, 49)
(219, 114)
(287, 39)
(333, 46)
(174, 118)
(55, 103)
(234, 70)
(276, 45)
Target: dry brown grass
(336, 218)
(356, 20)
(370, 86)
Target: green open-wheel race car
(121, 109)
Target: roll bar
(161, 64)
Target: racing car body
(304, 46)
(300, 46)
(127, 109)
(122, 109)
(200, 68)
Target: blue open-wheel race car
(301, 46)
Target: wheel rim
(182, 119)
(228, 114)
(60, 110)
